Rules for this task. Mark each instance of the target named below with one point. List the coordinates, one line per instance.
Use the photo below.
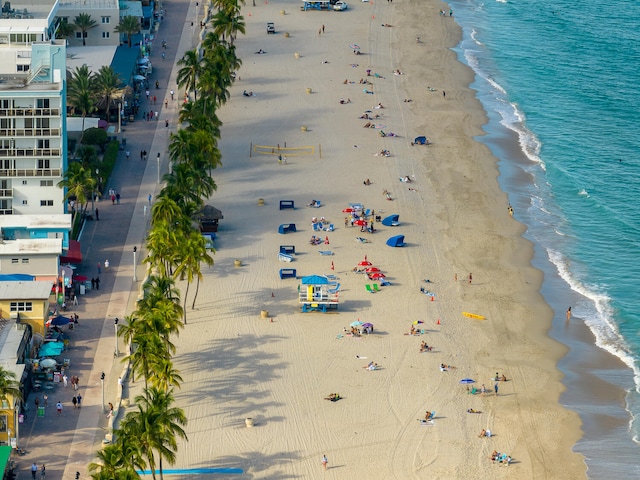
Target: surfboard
(474, 315)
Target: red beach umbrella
(377, 275)
(365, 263)
(372, 269)
(360, 223)
(347, 210)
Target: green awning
(5, 454)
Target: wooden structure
(317, 293)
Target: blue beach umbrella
(467, 380)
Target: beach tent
(51, 349)
(397, 241)
(422, 140)
(391, 220)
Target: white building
(106, 14)
(33, 151)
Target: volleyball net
(284, 151)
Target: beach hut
(396, 241)
(391, 220)
(208, 218)
(317, 293)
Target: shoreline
(456, 221)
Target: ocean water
(561, 85)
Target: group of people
(425, 348)
(333, 397)
(503, 458)
(371, 366)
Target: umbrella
(59, 321)
(372, 269)
(418, 322)
(354, 46)
(367, 325)
(365, 263)
(80, 278)
(377, 275)
(139, 78)
(48, 363)
(360, 223)
(51, 349)
(467, 380)
(357, 323)
(142, 61)
(347, 210)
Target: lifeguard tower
(317, 293)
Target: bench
(287, 204)
(286, 228)
(287, 273)
(288, 249)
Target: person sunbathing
(378, 106)
(367, 182)
(425, 348)
(471, 410)
(333, 397)
(260, 52)
(428, 416)
(483, 433)
(503, 379)
(367, 125)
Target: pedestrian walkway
(67, 443)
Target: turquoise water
(561, 85)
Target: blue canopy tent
(315, 280)
(421, 140)
(391, 220)
(51, 349)
(397, 241)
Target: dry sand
(237, 365)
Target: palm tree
(112, 464)
(192, 254)
(147, 348)
(128, 26)
(65, 29)
(165, 209)
(84, 23)
(162, 243)
(9, 387)
(79, 184)
(80, 90)
(168, 423)
(108, 86)
(190, 71)
(228, 22)
(165, 376)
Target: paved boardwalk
(67, 443)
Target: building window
(43, 144)
(42, 103)
(25, 202)
(105, 35)
(23, 68)
(106, 19)
(46, 203)
(46, 183)
(78, 34)
(21, 306)
(14, 260)
(4, 418)
(24, 182)
(25, 260)
(44, 163)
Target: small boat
(284, 257)
(474, 315)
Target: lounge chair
(473, 391)
(369, 289)
(375, 287)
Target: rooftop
(28, 10)
(25, 290)
(39, 246)
(58, 222)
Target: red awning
(74, 253)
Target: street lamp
(115, 324)
(120, 117)
(102, 380)
(158, 161)
(135, 278)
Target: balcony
(6, 193)
(29, 112)
(29, 132)
(30, 152)
(6, 211)
(33, 172)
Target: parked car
(271, 28)
(339, 6)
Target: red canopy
(365, 263)
(373, 269)
(347, 210)
(360, 222)
(74, 253)
(377, 275)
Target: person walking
(99, 269)
(65, 380)
(97, 215)
(34, 470)
(74, 400)
(172, 93)
(46, 400)
(495, 387)
(43, 472)
(324, 462)
(98, 283)
(79, 400)
(59, 407)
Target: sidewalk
(68, 443)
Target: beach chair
(326, 253)
(335, 289)
(330, 228)
(385, 283)
(473, 391)
(369, 289)
(375, 287)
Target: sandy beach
(278, 370)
